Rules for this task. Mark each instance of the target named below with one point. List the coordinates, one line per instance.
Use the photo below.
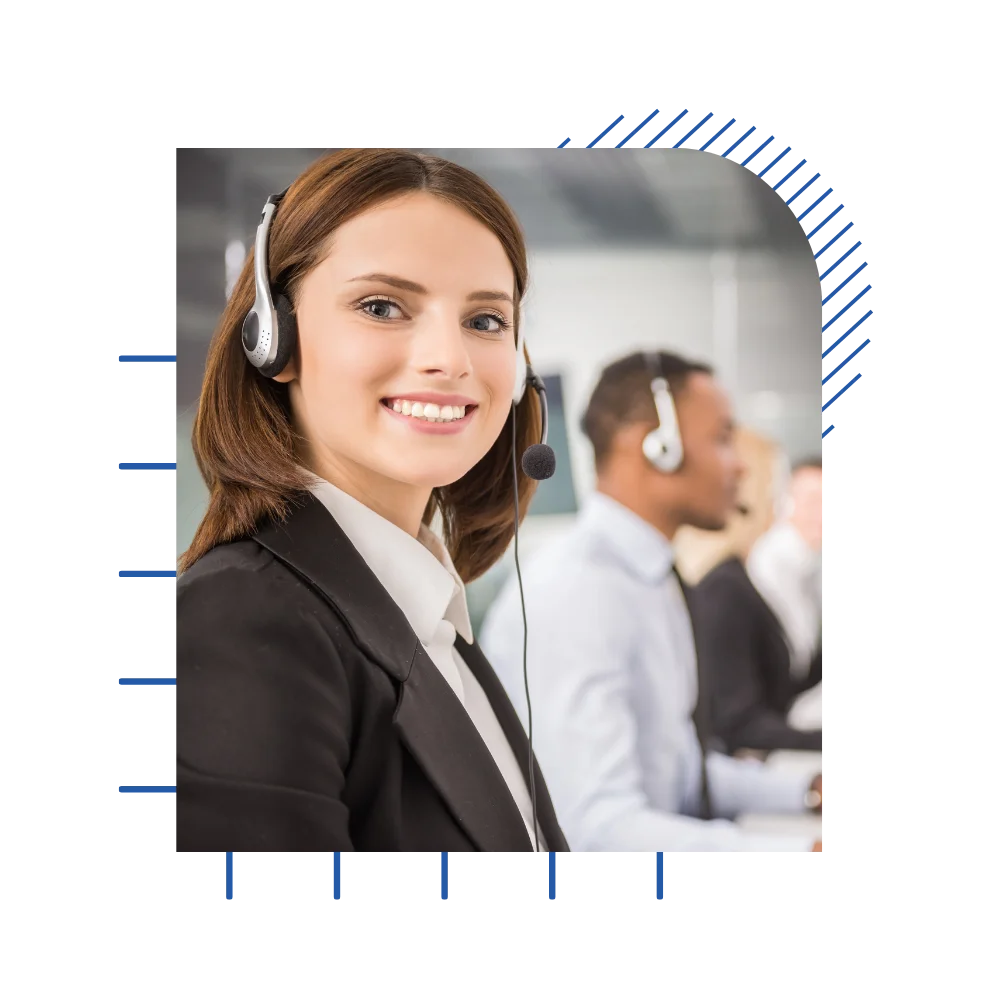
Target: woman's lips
(427, 426)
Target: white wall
(586, 309)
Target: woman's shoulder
(241, 557)
(243, 576)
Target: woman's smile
(429, 416)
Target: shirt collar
(417, 573)
(644, 549)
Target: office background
(628, 249)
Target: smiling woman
(331, 695)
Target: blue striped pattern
(667, 129)
(790, 173)
(834, 399)
(636, 129)
(605, 132)
(836, 211)
(759, 149)
(753, 128)
(840, 260)
(860, 294)
(780, 173)
(775, 161)
(681, 141)
(822, 197)
(717, 134)
(850, 357)
(827, 298)
(826, 246)
(804, 187)
(844, 336)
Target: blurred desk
(804, 825)
(808, 763)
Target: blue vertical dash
(229, 874)
(336, 874)
(444, 874)
(659, 874)
(552, 874)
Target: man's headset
(662, 446)
(269, 336)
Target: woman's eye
(381, 309)
(487, 323)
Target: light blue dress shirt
(613, 682)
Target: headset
(269, 336)
(662, 445)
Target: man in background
(618, 726)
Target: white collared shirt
(421, 579)
(788, 575)
(613, 671)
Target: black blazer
(748, 664)
(311, 718)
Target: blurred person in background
(798, 608)
(330, 693)
(758, 626)
(619, 726)
(698, 552)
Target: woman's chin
(431, 475)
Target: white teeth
(431, 412)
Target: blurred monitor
(556, 495)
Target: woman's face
(406, 322)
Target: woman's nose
(441, 350)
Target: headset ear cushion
(288, 335)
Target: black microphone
(539, 461)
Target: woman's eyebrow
(412, 286)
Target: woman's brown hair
(243, 436)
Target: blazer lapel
(507, 716)
(435, 726)
(430, 719)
